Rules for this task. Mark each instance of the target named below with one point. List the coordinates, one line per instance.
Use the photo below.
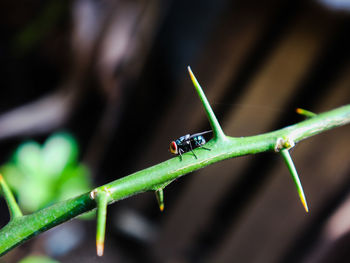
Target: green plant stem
(22, 228)
(13, 207)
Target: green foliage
(42, 175)
(38, 259)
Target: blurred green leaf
(13, 176)
(34, 194)
(74, 181)
(58, 152)
(41, 175)
(28, 158)
(38, 259)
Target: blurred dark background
(113, 74)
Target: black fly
(187, 143)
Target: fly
(187, 143)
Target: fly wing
(200, 133)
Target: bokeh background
(113, 75)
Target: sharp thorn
(305, 113)
(99, 249)
(160, 198)
(288, 160)
(216, 128)
(102, 202)
(13, 207)
(303, 200)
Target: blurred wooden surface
(256, 61)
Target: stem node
(284, 143)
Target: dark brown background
(113, 73)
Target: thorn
(305, 113)
(217, 130)
(288, 160)
(303, 200)
(193, 78)
(13, 207)
(99, 249)
(160, 199)
(102, 201)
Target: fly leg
(201, 146)
(204, 148)
(180, 154)
(192, 150)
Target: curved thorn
(305, 113)
(160, 199)
(102, 201)
(217, 130)
(13, 207)
(288, 160)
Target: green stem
(23, 228)
(14, 209)
(217, 130)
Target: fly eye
(173, 147)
